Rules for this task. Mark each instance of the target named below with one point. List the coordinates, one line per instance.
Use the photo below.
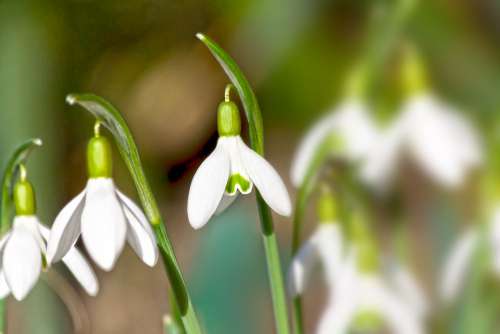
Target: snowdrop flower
(103, 216)
(434, 135)
(230, 169)
(325, 246)
(350, 123)
(406, 286)
(23, 250)
(361, 300)
(460, 257)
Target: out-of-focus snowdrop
(23, 249)
(406, 286)
(434, 135)
(230, 169)
(361, 300)
(324, 246)
(350, 122)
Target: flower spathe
(104, 217)
(351, 123)
(230, 169)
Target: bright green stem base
(274, 268)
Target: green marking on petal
(237, 181)
(367, 321)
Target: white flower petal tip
(207, 187)
(267, 180)
(65, 229)
(103, 225)
(139, 233)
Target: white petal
(139, 233)
(207, 187)
(456, 265)
(22, 262)
(305, 153)
(301, 266)
(335, 319)
(329, 241)
(78, 266)
(103, 223)
(65, 229)
(410, 290)
(226, 202)
(267, 180)
(4, 287)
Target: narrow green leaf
(256, 133)
(111, 118)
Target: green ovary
(237, 181)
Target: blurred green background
(143, 56)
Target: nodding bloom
(23, 249)
(325, 245)
(350, 123)
(232, 168)
(103, 216)
(433, 135)
(459, 260)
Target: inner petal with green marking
(238, 182)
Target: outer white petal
(336, 318)
(4, 287)
(139, 233)
(409, 289)
(330, 244)
(456, 265)
(207, 187)
(226, 202)
(65, 229)
(22, 261)
(301, 267)
(78, 266)
(308, 145)
(267, 180)
(103, 223)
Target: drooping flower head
(102, 215)
(231, 169)
(23, 248)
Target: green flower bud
(24, 198)
(99, 157)
(327, 208)
(228, 119)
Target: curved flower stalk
(230, 169)
(109, 117)
(256, 135)
(433, 134)
(23, 246)
(102, 215)
(361, 300)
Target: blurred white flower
(22, 250)
(230, 169)
(406, 286)
(105, 218)
(325, 246)
(459, 260)
(351, 123)
(364, 297)
(437, 138)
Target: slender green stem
(17, 159)
(111, 118)
(256, 134)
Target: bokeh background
(143, 56)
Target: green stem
(12, 168)
(256, 134)
(111, 118)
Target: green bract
(99, 157)
(24, 198)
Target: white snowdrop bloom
(351, 123)
(363, 301)
(324, 246)
(103, 216)
(230, 169)
(406, 286)
(23, 249)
